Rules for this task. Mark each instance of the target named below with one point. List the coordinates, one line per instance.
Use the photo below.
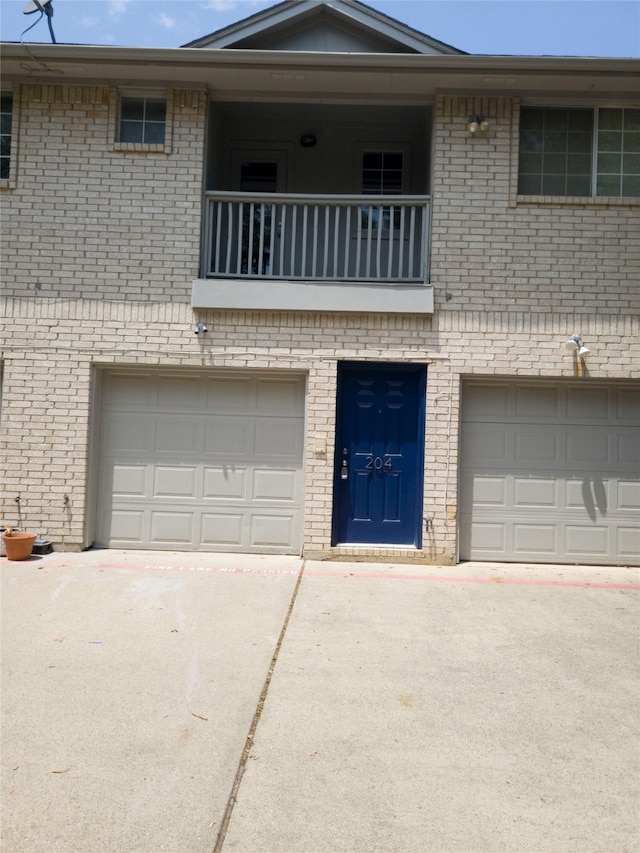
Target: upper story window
(579, 152)
(143, 120)
(6, 130)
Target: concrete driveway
(200, 702)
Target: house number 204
(377, 464)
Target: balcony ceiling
(328, 77)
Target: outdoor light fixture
(476, 123)
(576, 345)
(201, 328)
(308, 140)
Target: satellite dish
(45, 8)
(33, 6)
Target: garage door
(199, 460)
(550, 472)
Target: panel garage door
(550, 472)
(201, 460)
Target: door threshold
(370, 554)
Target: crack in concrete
(224, 826)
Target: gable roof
(326, 26)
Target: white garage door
(201, 460)
(550, 472)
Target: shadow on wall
(594, 496)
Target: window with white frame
(6, 133)
(579, 151)
(382, 174)
(142, 120)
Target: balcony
(285, 251)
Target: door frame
(420, 370)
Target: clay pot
(19, 545)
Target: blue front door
(379, 454)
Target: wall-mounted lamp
(576, 345)
(201, 328)
(308, 140)
(476, 123)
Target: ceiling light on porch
(476, 123)
(576, 345)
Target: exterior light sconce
(201, 328)
(476, 123)
(308, 140)
(576, 345)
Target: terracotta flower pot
(19, 545)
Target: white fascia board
(361, 297)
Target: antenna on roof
(45, 7)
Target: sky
(520, 27)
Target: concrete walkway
(204, 702)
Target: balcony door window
(258, 176)
(261, 176)
(382, 174)
(259, 171)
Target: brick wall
(492, 251)
(101, 247)
(88, 220)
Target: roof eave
(272, 74)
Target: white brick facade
(101, 245)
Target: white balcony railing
(316, 238)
